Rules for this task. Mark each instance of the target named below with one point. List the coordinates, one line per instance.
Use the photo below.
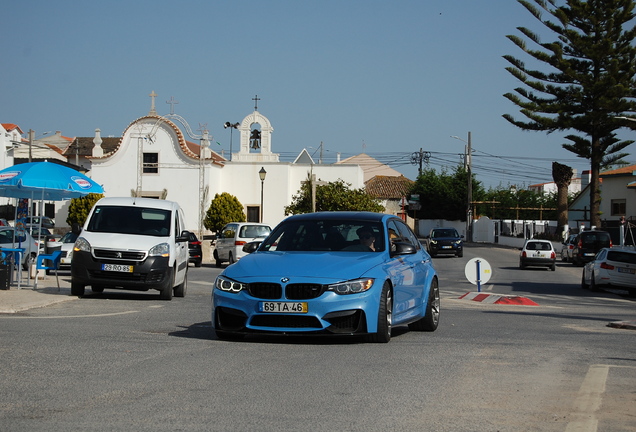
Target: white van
(134, 244)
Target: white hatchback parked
(232, 238)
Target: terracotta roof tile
(388, 187)
(619, 171)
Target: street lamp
(231, 126)
(468, 162)
(262, 173)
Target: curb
(629, 325)
(498, 299)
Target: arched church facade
(155, 159)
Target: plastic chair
(54, 258)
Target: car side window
(229, 231)
(406, 234)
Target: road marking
(73, 316)
(589, 400)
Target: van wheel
(180, 290)
(166, 291)
(217, 259)
(231, 259)
(77, 289)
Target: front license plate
(117, 268)
(283, 307)
(626, 270)
(446, 247)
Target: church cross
(172, 103)
(153, 111)
(256, 99)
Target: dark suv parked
(194, 248)
(587, 244)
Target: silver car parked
(10, 238)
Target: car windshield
(325, 235)
(444, 233)
(130, 220)
(69, 237)
(6, 236)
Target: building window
(253, 213)
(151, 163)
(618, 207)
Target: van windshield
(130, 220)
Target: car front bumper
(152, 273)
(330, 313)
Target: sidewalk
(16, 300)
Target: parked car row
(583, 247)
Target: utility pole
(418, 157)
(31, 135)
(469, 211)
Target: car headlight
(162, 249)
(81, 244)
(458, 242)
(433, 241)
(229, 285)
(351, 287)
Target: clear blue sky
(381, 77)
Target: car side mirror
(403, 248)
(251, 246)
(184, 237)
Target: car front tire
(431, 319)
(385, 317)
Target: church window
(151, 163)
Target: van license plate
(283, 307)
(117, 268)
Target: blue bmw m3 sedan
(338, 273)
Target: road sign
(478, 271)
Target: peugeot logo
(284, 280)
(118, 255)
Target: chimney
(97, 150)
(585, 178)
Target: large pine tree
(588, 82)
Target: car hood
(446, 238)
(326, 266)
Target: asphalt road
(128, 361)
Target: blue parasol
(45, 180)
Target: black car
(587, 244)
(194, 248)
(445, 241)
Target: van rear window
(131, 220)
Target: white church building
(155, 159)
